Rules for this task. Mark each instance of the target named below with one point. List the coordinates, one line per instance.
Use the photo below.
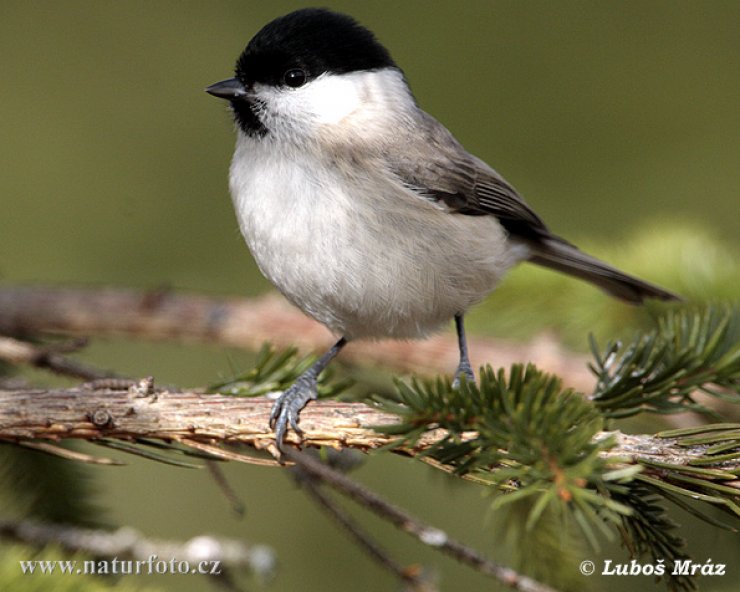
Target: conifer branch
(518, 432)
(661, 371)
(524, 434)
(105, 416)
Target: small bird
(364, 210)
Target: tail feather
(563, 256)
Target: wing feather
(443, 171)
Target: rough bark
(206, 421)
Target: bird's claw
(465, 370)
(287, 409)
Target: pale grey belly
(385, 270)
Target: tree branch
(135, 417)
(425, 533)
(201, 421)
(412, 575)
(205, 421)
(239, 322)
(15, 351)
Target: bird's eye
(295, 77)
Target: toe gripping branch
(287, 409)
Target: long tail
(562, 256)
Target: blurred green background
(618, 121)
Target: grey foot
(286, 410)
(465, 370)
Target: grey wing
(441, 170)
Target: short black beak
(231, 89)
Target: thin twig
(425, 533)
(310, 485)
(219, 478)
(16, 351)
(68, 454)
(226, 454)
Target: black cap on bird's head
(314, 40)
(297, 48)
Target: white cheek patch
(356, 102)
(328, 98)
(325, 100)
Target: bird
(362, 209)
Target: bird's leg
(464, 368)
(287, 408)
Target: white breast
(380, 263)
